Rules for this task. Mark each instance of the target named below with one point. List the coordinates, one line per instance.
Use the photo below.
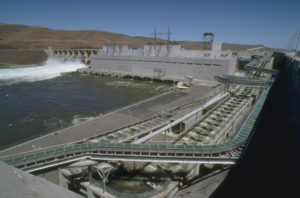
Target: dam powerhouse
(183, 140)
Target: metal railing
(244, 81)
(219, 153)
(259, 69)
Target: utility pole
(160, 33)
(169, 37)
(168, 33)
(155, 37)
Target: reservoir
(38, 100)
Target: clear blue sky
(268, 22)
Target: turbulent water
(51, 69)
(38, 100)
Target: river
(38, 100)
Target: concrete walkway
(117, 119)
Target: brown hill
(21, 36)
(13, 58)
(32, 39)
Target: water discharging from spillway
(37, 100)
(52, 68)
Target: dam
(155, 62)
(181, 133)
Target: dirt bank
(18, 58)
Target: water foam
(51, 69)
(77, 119)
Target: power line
(168, 33)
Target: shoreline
(21, 58)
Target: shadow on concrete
(271, 165)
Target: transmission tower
(155, 33)
(293, 44)
(207, 37)
(154, 36)
(169, 37)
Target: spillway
(218, 125)
(52, 68)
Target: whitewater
(52, 68)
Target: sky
(269, 22)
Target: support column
(62, 180)
(103, 173)
(226, 88)
(90, 193)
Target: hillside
(21, 36)
(31, 40)
(13, 58)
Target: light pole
(121, 99)
(34, 148)
(129, 116)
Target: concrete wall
(216, 46)
(248, 54)
(154, 61)
(120, 50)
(163, 67)
(171, 51)
(162, 51)
(193, 120)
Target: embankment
(15, 58)
(270, 167)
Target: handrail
(259, 69)
(244, 81)
(156, 148)
(210, 102)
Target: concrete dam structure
(276, 135)
(169, 148)
(73, 53)
(155, 62)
